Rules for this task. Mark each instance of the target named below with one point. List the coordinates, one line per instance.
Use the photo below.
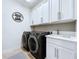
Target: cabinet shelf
(55, 22)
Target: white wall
(12, 31)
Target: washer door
(33, 44)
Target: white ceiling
(29, 4)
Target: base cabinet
(51, 52)
(66, 54)
(57, 50)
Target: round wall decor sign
(17, 16)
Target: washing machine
(25, 38)
(37, 44)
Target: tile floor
(18, 52)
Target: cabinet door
(66, 9)
(45, 12)
(54, 10)
(66, 54)
(39, 16)
(51, 51)
(75, 8)
(36, 15)
(33, 17)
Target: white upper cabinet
(45, 13)
(54, 10)
(67, 9)
(75, 9)
(35, 16)
(40, 14)
(62, 10)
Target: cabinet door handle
(59, 15)
(32, 21)
(55, 52)
(41, 19)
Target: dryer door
(33, 44)
(24, 40)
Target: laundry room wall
(12, 31)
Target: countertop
(63, 37)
